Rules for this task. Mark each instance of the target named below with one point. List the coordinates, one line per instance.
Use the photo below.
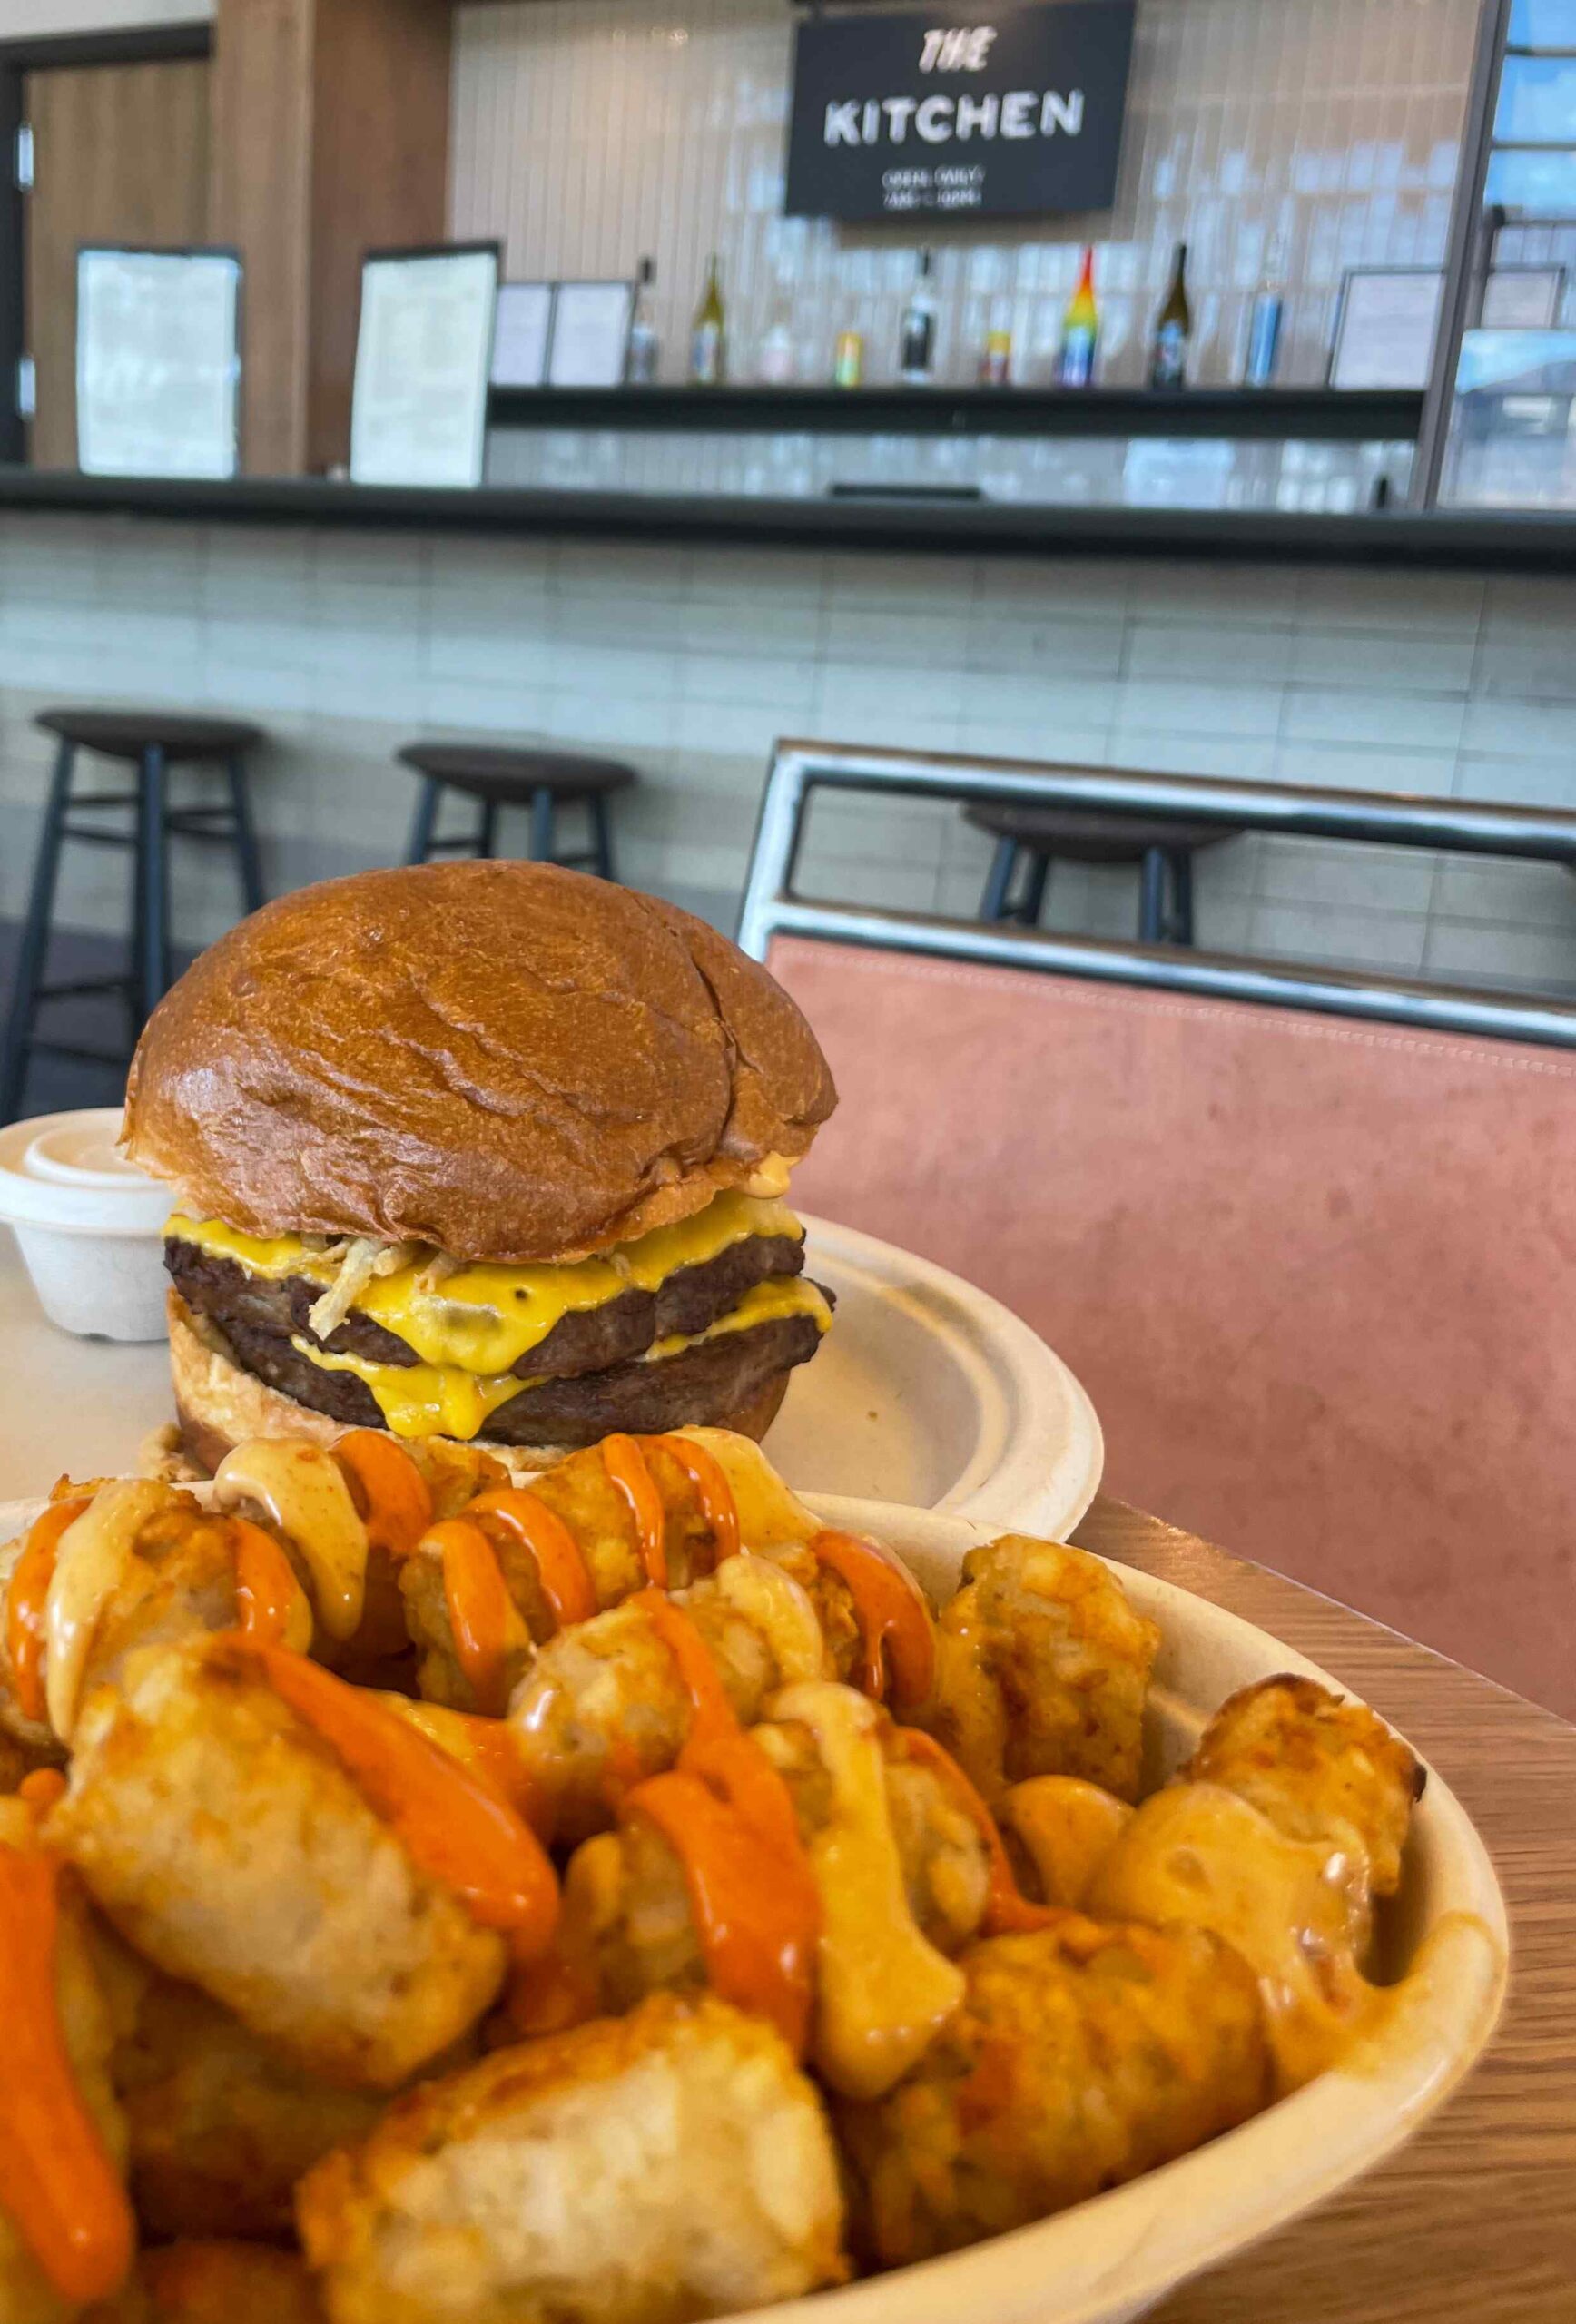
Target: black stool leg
(1181, 896)
(1152, 897)
(246, 854)
(601, 836)
(998, 880)
(1034, 890)
(542, 805)
(35, 942)
(487, 829)
(424, 822)
(153, 970)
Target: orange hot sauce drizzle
(392, 1494)
(42, 1789)
(625, 1467)
(891, 1614)
(456, 1827)
(29, 1596)
(1008, 1911)
(60, 2187)
(562, 1573)
(715, 1494)
(480, 1606)
(265, 1582)
(498, 1763)
(727, 1815)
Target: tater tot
(1080, 2057)
(581, 1495)
(604, 1706)
(1042, 1670)
(220, 2125)
(1318, 1768)
(670, 2165)
(1289, 1817)
(628, 1926)
(228, 1845)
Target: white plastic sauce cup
(89, 1227)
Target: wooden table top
(1476, 2217)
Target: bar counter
(1437, 540)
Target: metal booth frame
(772, 906)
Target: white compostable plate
(926, 1392)
(929, 1391)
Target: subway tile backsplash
(690, 661)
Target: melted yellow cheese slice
(443, 1400)
(485, 1319)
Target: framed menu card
(1385, 327)
(158, 361)
(423, 350)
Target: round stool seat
(509, 775)
(1086, 838)
(127, 733)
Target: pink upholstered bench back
(1319, 1277)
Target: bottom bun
(219, 1404)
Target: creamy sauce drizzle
(883, 1991)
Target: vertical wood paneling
(263, 156)
(120, 155)
(588, 132)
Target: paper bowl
(1446, 1945)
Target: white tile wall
(586, 131)
(690, 661)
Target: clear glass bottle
(1080, 331)
(775, 364)
(1173, 329)
(917, 340)
(709, 342)
(641, 354)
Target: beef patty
(252, 1309)
(713, 1377)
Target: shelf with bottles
(1314, 415)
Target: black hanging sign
(1010, 113)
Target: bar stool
(1163, 849)
(153, 742)
(514, 775)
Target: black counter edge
(1531, 543)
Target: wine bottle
(917, 345)
(1173, 329)
(1080, 331)
(709, 346)
(640, 355)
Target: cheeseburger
(479, 1150)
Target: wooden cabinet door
(120, 154)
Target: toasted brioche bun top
(509, 1061)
